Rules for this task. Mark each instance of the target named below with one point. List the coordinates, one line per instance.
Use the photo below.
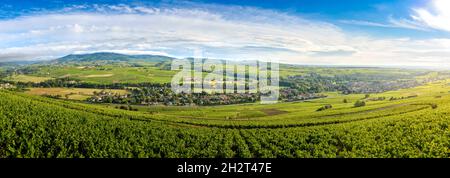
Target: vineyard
(415, 124)
(224, 79)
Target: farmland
(27, 78)
(95, 69)
(51, 113)
(303, 113)
(108, 74)
(71, 93)
(45, 127)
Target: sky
(412, 33)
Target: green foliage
(328, 106)
(360, 103)
(434, 105)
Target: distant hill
(16, 63)
(162, 62)
(104, 56)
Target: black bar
(170, 167)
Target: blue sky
(347, 32)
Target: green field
(108, 74)
(44, 127)
(149, 72)
(27, 78)
(295, 114)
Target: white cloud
(367, 23)
(436, 16)
(408, 24)
(222, 32)
(391, 23)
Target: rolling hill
(33, 126)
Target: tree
(360, 103)
(434, 106)
(109, 99)
(124, 107)
(328, 106)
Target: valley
(123, 107)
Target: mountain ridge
(109, 56)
